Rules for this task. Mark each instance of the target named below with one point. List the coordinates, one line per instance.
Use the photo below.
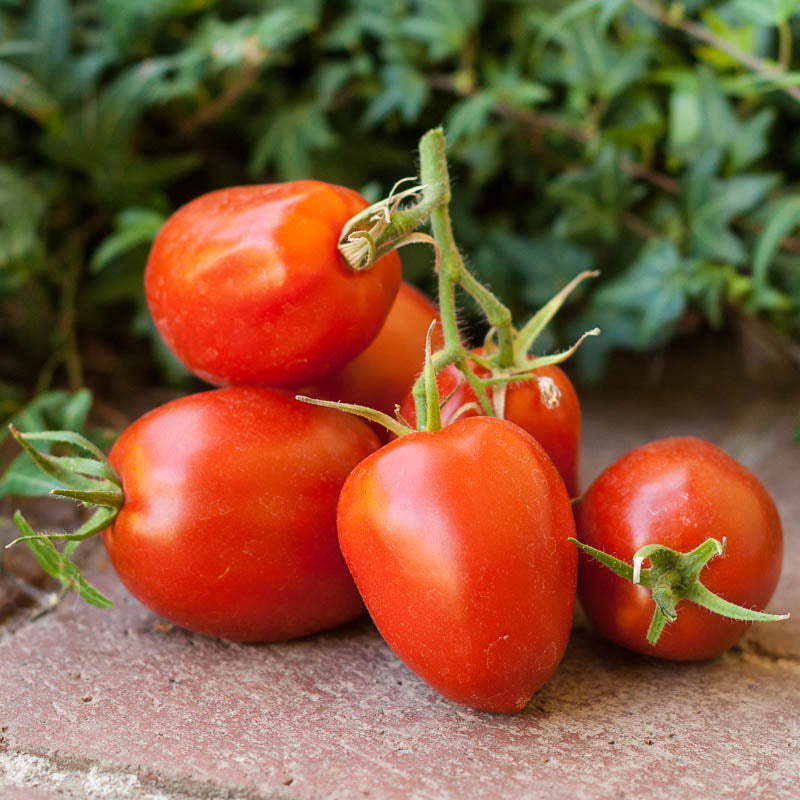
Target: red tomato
(547, 407)
(246, 284)
(678, 492)
(458, 542)
(384, 373)
(229, 521)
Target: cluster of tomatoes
(250, 515)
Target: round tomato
(546, 406)
(246, 284)
(678, 492)
(384, 373)
(228, 526)
(458, 542)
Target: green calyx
(388, 225)
(672, 577)
(87, 477)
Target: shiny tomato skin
(384, 373)
(246, 284)
(556, 426)
(229, 521)
(678, 492)
(457, 541)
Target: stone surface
(116, 704)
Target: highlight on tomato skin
(228, 527)
(546, 406)
(246, 285)
(458, 542)
(383, 374)
(678, 492)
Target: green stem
(478, 384)
(433, 416)
(452, 272)
(498, 315)
(657, 625)
(440, 360)
(373, 415)
(385, 226)
(539, 321)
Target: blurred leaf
(608, 10)
(765, 12)
(404, 90)
(131, 22)
(546, 263)
(289, 138)
(653, 289)
(783, 219)
(54, 410)
(134, 227)
(742, 37)
(469, 117)
(22, 207)
(20, 91)
(751, 141)
(593, 198)
(24, 479)
(49, 23)
(443, 25)
(712, 204)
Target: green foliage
(651, 141)
(54, 410)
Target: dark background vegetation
(654, 141)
